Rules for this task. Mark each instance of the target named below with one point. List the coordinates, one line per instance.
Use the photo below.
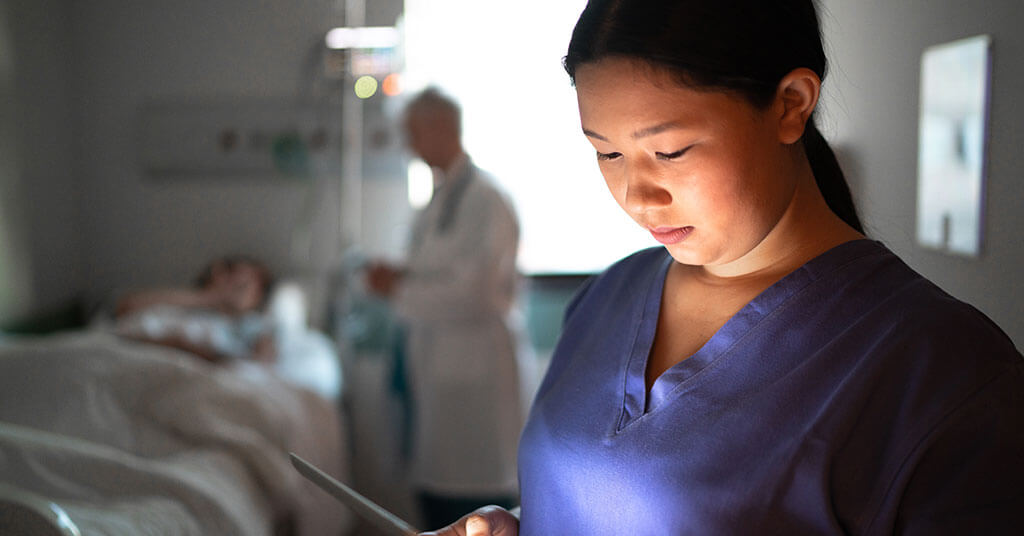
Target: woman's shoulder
(928, 349)
(958, 381)
(927, 314)
(644, 261)
(877, 287)
(948, 328)
(627, 275)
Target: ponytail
(829, 176)
(746, 46)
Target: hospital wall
(871, 105)
(40, 246)
(79, 215)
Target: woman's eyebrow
(657, 129)
(642, 133)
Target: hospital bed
(104, 435)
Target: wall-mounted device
(240, 137)
(951, 145)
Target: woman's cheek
(615, 185)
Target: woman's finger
(478, 525)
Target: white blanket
(131, 438)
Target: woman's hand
(485, 521)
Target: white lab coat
(464, 354)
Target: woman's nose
(644, 191)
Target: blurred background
(139, 139)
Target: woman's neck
(807, 228)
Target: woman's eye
(607, 156)
(672, 156)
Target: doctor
(455, 295)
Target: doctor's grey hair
(433, 101)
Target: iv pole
(351, 214)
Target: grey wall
(77, 213)
(40, 242)
(144, 231)
(79, 216)
(871, 113)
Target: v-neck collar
(637, 402)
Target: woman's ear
(796, 98)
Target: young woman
(769, 370)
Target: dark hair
(230, 262)
(743, 46)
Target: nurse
(456, 295)
(769, 370)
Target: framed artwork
(951, 145)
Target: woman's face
(703, 171)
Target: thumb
(478, 525)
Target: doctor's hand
(382, 278)
(485, 521)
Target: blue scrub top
(851, 397)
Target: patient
(220, 318)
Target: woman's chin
(687, 255)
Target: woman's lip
(670, 235)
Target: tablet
(391, 524)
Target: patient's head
(244, 283)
